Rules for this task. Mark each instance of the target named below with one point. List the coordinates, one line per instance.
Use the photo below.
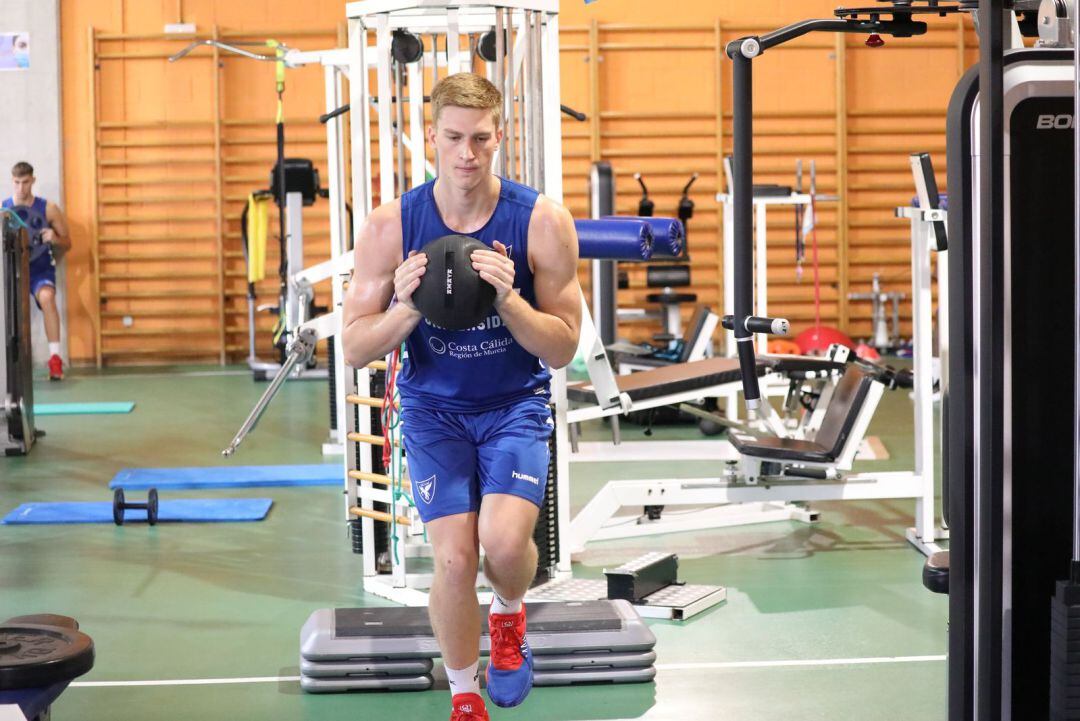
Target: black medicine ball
(451, 293)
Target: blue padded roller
(668, 233)
(324, 474)
(191, 510)
(943, 201)
(614, 239)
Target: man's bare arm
(371, 329)
(60, 236)
(549, 331)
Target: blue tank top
(481, 368)
(35, 217)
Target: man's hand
(496, 268)
(407, 278)
(48, 236)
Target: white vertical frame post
(922, 354)
(729, 273)
(553, 183)
(335, 163)
(359, 92)
(526, 123)
(761, 264)
(536, 42)
(497, 75)
(453, 43)
(359, 382)
(416, 124)
(339, 229)
(553, 188)
(510, 160)
(386, 137)
(519, 92)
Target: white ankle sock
(504, 606)
(466, 680)
(54, 349)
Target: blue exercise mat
(191, 510)
(78, 409)
(328, 474)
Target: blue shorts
(455, 459)
(42, 273)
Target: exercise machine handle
(300, 352)
(327, 117)
(576, 115)
(757, 324)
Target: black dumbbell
(119, 506)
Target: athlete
(474, 403)
(48, 237)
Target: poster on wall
(14, 51)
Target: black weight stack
(546, 534)
(382, 529)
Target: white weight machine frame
(736, 503)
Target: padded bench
(682, 377)
(668, 380)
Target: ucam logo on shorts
(426, 488)
(525, 477)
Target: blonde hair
(466, 90)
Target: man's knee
(457, 565)
(507, 549)
(46, 297)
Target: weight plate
(118, 506)
(152, 506)
(43, 619)
(37, 656)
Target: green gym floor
(201, 621)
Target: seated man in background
(48, 235)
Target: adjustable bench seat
(847, 401)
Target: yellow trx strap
(258, 223)
(279, 53)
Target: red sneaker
(56, 368)
(468, 707)
(510, 670)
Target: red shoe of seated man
(468, 707)
(56, 368)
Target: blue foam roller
(614, 239)
(189, 509)
(323, 474)
(943, 201)
(668, 233)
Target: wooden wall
(178, 147)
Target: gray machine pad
(360, 683)
(396, 667)
(405, 633)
